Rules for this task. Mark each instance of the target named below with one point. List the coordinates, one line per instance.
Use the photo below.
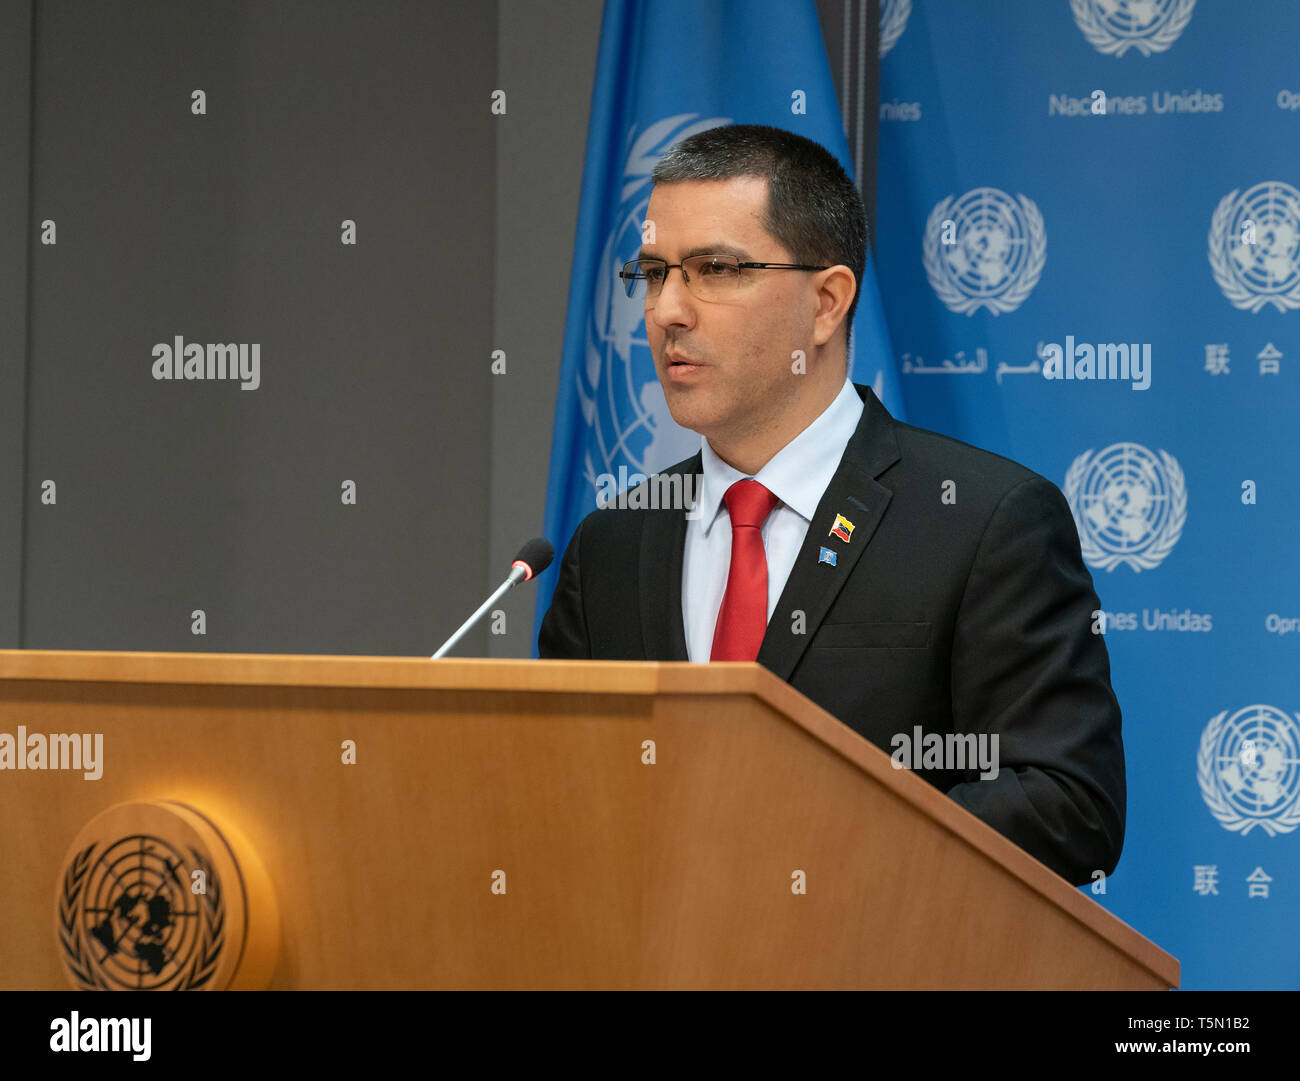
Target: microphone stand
(518, 573)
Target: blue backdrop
(1071, 189)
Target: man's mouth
(681, 369)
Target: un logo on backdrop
(1115, 26)
(1129, 505)
(622, 401)
(1255, 246)
(984, 250)
(893, 21)
(1248, 768)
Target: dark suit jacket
(971, 615)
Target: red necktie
(742, 619)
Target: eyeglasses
(708, 277)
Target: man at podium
(930, 595)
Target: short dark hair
(813, 209)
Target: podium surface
(377, 822)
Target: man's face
(739, 379)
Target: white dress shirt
(798, 475)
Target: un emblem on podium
(155, 896)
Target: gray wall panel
(547, 64)
(225, 228)
(15, 127)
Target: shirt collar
(799, 473)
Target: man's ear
(836, 288)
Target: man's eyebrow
(703, 249)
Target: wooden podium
(368, 822)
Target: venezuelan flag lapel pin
(842, 528)
(827, 556)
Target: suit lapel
(853, 492)
(663, 542)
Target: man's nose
(674, 304)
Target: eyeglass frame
(678, 266)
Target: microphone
(533, 558)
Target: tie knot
(748, 503)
